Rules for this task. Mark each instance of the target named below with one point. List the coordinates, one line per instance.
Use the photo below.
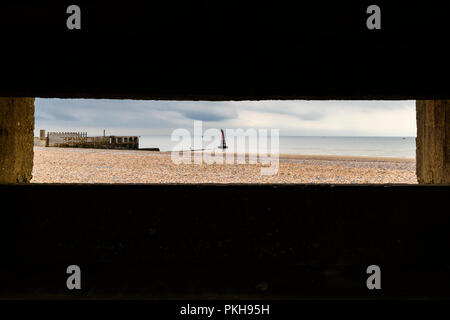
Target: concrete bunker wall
(16, 139)
(433, 141)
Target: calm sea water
(402, 147)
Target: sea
(396, 147)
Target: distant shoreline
(345, 158)
(282, 156)
(325, 157)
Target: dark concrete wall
(16, 139)
(264, 241)
(433, 141)
(224, 50)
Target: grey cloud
(201, 110)
(313, 116)
(144, 116)
(62, 116)
(208, 116)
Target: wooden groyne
(82, 140)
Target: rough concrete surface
(433, 141)
(16, 139)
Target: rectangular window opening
(280, 142)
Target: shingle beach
(70, 165)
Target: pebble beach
(71, 165)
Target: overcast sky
(294, 118)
